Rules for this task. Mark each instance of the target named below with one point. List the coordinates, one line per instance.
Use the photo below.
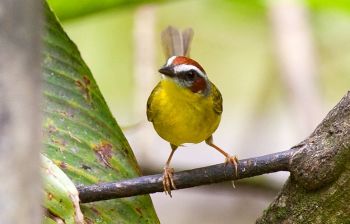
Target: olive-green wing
(217, 98)
(150, 112)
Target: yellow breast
(180, 116)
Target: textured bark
(318, 190)
(20, 191)
(188, 178)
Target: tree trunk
(319, 185)
(20, 37)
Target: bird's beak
(167, 70)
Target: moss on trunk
(318, 190)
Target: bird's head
(187, 73)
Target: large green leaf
(80, 134)
(61, 196)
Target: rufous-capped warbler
(185, 107)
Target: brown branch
(190, 178)
(318, 188)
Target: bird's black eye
(191, 75)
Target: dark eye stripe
(189, 75)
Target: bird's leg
(168, 182)
(229, 159)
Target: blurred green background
(280, 66)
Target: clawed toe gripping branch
(319, 168)
(188, 178)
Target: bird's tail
(176, 43)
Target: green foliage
(80, 134)
(66, 9)
(61, 196)
(340, 5)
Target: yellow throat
(180, 116)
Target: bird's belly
(180, 121)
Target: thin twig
(189, 178)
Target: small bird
(184, 107)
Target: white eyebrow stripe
(170, 60)
(186, 67)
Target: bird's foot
(234, 161)
(168, 182)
